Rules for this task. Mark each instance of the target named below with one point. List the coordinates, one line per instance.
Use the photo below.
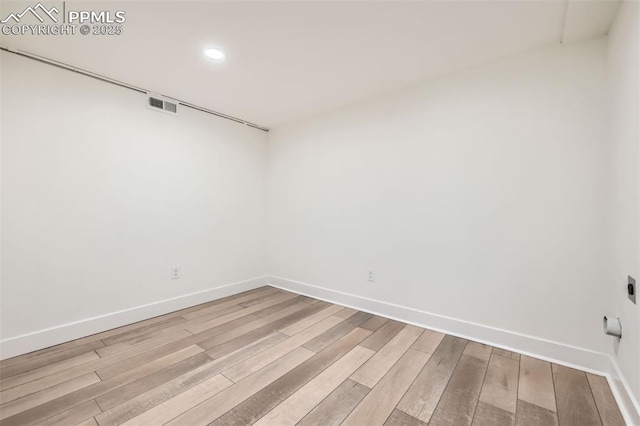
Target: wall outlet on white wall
(371, 275)
(175, 272)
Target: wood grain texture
(92, 363)
(130, 406)
(69, 401)
(256, 323)
(259, 298)
(46, 360)
(144, 401)
(536, 383)
(374, 323)
(48, 351)
(180, 403)
(295, 301)
(125, 393)
(210, 318)
(380, 402)
(400, 418)
(298, 405)
(199, 327)
(126, 328)
(226, 302)
(47, 370)
(221, 345)
(506, 354)
(255, 363)
(307, 322)
(421, 399)
(428, 342)
(278, 358)
(38, 398)
(346, 312)
(213, 408)
(490, 415)
(39, 384)
(607, 408)
(221, 303)
(460, 398)
(141, 332)
(337, 406)
(374, 369)
(266, 399)
(576, 405)
(77, 415)
(500, 387)
(336, 332)
(228, 346)
(381, 337)
(149, 342)
(135, 360)
(528, 414)
(478, 350)
(249, 350)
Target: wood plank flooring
(270, 357)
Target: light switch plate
(632, 288)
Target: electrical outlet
(371, 275)
(632, 289)
(175, 272)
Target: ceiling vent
(162, 104)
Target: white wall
(101, 196)
(624, 76)
(482, 196)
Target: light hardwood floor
(270, 357)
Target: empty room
(324, 212)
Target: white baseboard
(623, 394)
(556, 352)
(63, 333)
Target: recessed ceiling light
(213, 53)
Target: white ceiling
(287, 60)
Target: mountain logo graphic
(34, 11)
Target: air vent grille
(158, 103)
(168, 106)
